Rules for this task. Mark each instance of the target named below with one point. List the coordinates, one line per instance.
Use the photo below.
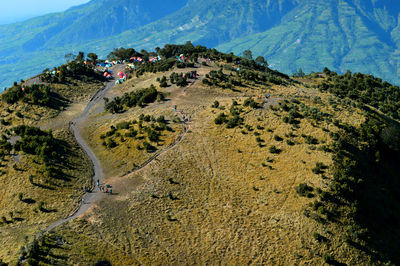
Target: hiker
(190, 118)
(110, 191)
(106, 190)
(98, 182)
(83, 200)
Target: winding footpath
(74, 127)
(90, 197)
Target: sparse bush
(320, 238)
(215, 104)
(250, 102)
(234, 121)
(220, 119)
(40, 206)
(304, 190)
(123, 125)
(319, 168)
(19, 114)
(274, 149)
(249, 128)
(328, 258)
(148, 147)
(111, 144)
(290, 142)
(310, 139)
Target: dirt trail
(75, 126)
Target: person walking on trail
(110, 191)
(98, 182)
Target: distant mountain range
(360, 35)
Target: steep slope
(95, 20)
(28, 47)
(340, 35)
(210, 23)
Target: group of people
(105, 189)
(184, 118)
(87, 189)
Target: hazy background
(19, 10)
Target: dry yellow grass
(60, 197)
(126, 157)
(215, 198)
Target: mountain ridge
(246, 156)
(340, 34)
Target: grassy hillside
(247, 176)
(43, 169)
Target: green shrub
(123, 125)
(274, 149)
(136, 98)
(328, 258)
(153, 135)
(111, 144)
(320, 238)
(215, 104)
(304, 190)
(234, 121)
(310, 139)
(319, 168)
(290, 142)
(220, 119)
(148, 147)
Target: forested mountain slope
(340, 34)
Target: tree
(261, 61)
(80, 57)
(299, 73)
(68, 57)
(391, 137)
(248, 54)
(92, 57)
